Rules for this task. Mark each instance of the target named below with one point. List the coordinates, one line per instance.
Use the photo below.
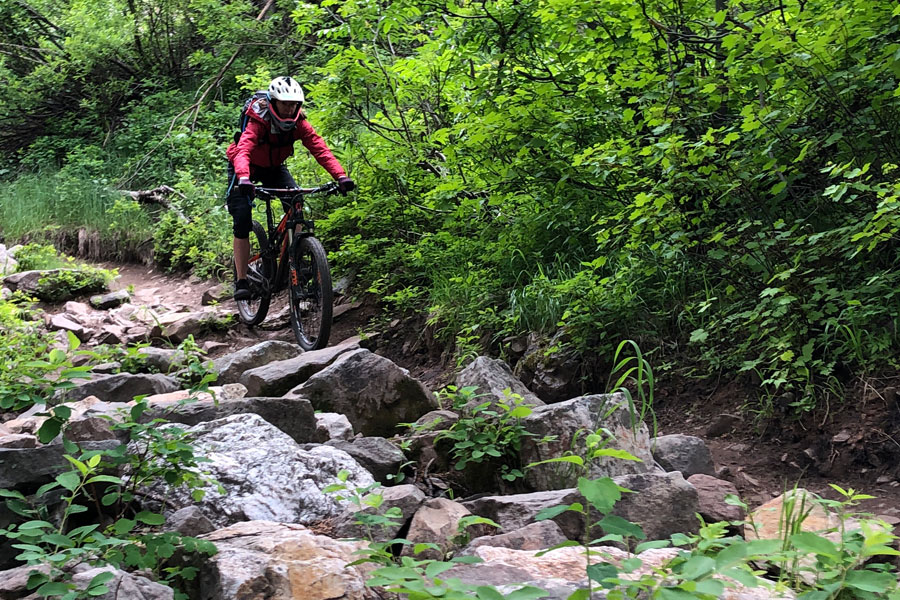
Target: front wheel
(311, 295)
(260, 271)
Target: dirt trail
(761, 460)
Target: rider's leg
(240, 209)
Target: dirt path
(850, 447)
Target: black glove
(247, 188)
(345, 184)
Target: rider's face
(285, 109)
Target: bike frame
(282, 236)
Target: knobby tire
(259, 273)
(311, 298)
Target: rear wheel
(259, 276)
(310, 294)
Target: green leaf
(580, 594)
(871, 581)
(617, 525)
(529, 592)
(150, 518)
(807, 541)
(486, 592)
(697, 566)
(602, 493)
(123, 526)
(68, 480)
(436, 568)
(551, 512)
(49, 429)
(600, 571)
(53, 588)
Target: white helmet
(285, 89)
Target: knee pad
(241, 217)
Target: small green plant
(132, 537)
(57, 285)
(490, 431)
(38, 257)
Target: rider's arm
(249, 139)
(313, 142)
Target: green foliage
(39, 257)
(180, 245)
(60, 284)
(32, 369)
(490, 432)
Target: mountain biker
(274, 122)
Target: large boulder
(124, 586)
(27, 468)
(712, 494)
(407, 498)
(121, 387)
(231, 366)
(264, 473)
(492, 377)
(277, 378)
(570, 422)
(54, 285)
(293, 416)
(535, 536)
(685, 453)
(563, 571)
(436, 522)
(262, 560)
(374, 393)
(377, 455)
(663, 504)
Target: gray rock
(534, 536)
(8, 264)
(408, 498)
(110, 300)
(24, 468)
(515, 511)
(18, 440)
(374, 393)
(87, 429)
(377, 455)
(293, 416)
(110, 334)
(265, 474)
(436, 420)
(63, 323)
(277, 378)
(711, 496)
(216, 294)
(14, 582)
(684, 453)
(332, 426)
(124, 586)
(662, 504)
(30, 281)
(189, 521)
(178, 327)
(163, 360)
(491, 377)
(232, 366)
(570, 422)
(122, 387)
(436, 522)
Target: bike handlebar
(328, 189)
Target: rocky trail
(286, 425)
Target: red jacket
(260, 146)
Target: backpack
(244, 118)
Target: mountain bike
(288, 255)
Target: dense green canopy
(715, 179)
